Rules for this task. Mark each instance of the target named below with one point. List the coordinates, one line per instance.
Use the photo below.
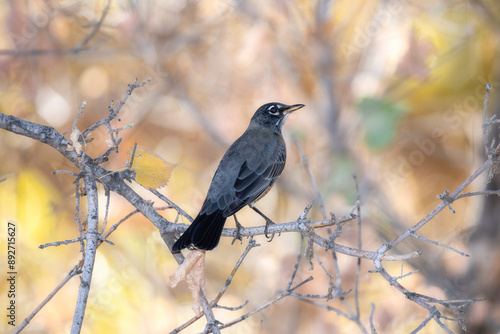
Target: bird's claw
(237, 232)
(266, 230)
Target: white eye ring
(273, 110)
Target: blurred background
(394, 94)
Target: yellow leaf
(151, 170)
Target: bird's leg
(268, 222)
(237, 233)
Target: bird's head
(274, 114)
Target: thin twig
(327, 307)
(172, 204)
(297, 262)
(423, 323)
(485, 115)
(114, 111)
(117, 130)
(358, 266)
(312, 296)
(96, 28)
(323, 266)
(82, 46)
(129, 165)
(228, 308)
(305, 163)
(250, 246)
(265, 305)
(79, 114)
(215, 301)
(437, 318)
(106, 211)
(437, 243)
(65, 172)
(59, 243)
(372, 325)
(486, 165)
(478, 193)
(407, 274)
(73, 272)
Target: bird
(246, 173)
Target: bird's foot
(237, 232)
(269, 222)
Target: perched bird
(246, 173)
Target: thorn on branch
(445, 197)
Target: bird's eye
(273, 110)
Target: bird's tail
(204, 233)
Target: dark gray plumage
(245, 173)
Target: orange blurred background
(394, 95)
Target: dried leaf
(76, 146)
(151, 170)
(192, 270)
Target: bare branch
(445, 197)
(407, 274)
(96, 29)
(297, 262)
(485, 115)
(215, 301)
(73, 272)
(439, 244)
(478, 193)
(92, 173)
(424, 323)
(211, 321)
(265, 305)
(172, 204)
(106, 211)
(439, 207)
(92, 243)
(250, 246)
(305, 163)
(82, 46)
(59, 243)
(360, 244)
(113, 112)
(65, 172)
(372, 325)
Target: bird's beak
(293, 108)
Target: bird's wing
(253, 181)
